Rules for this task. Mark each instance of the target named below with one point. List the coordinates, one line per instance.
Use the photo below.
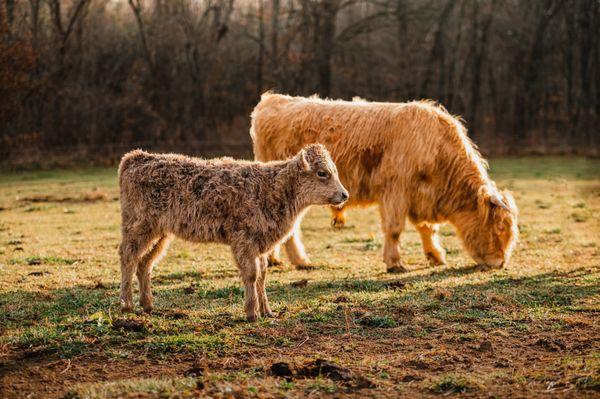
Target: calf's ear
(302, 161)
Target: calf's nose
(345, 195)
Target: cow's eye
(322, 175)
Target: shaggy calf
(251, 206)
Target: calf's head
(319, 183)
(492, 234)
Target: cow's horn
(497, 200)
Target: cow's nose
(344, 195)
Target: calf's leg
(432, 247)
(249, 272)
(393, 216)
(131, 250)
(264, 308)
(144, 272)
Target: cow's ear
(303, 162)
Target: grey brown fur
(251, 206)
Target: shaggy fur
(249, 205)
(412, 159)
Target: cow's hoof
(397, 268)
(338, 223)
(252, 317)
(436, 259)
(305, 266)
(273, 261)
(302, 263)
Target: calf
(251, 206)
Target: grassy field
(531, 330)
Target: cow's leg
(263, 301)
(393, 216)
(432, 247)
(338, 217)
(144, 271)
(249, 266)
(131, 250)
(295, 248)
(274, 257)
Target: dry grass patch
(528, 330)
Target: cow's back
(374, 145)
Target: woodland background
(87, 80)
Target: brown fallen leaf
(281, 369)
(300, 283)
(37, 274)
(129, 325)
(396, 285)
(326, 369)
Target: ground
(529, 330)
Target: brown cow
(412, 159)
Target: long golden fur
(249, 205)
(412, 159)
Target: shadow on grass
(59, 321)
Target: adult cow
(412, 159)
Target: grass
(528, 330)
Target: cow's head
(491, 235)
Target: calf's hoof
(126, 305)
(436, 259)
(252, 317)
(148, 308)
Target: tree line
(91, 79)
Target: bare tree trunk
(572, 108)
(34, 9)
(274, 36)
(530, 97)
(136, 7)
(481, 39)
(327, 10)
(10, 11)
(405, 85)
(453, 79)
(261, 49)
(64, 33)
(438, 54)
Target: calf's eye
(322, 175)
